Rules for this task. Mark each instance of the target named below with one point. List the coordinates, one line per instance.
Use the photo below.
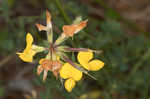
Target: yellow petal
(29, 38)
(95, 65)
(69, 84)
(68, 71)
(29, 41)
(28, 53)
(28, 56)
(24, 57)
(41, 60)
(84, 58)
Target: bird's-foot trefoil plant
(57, 60)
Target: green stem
(66, 18)
(50, 35)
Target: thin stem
(50, 35)
(66, 18)
(77, 67)
(83, 49)
(5, 60)
(77, 49)
(74, 65)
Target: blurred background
(121, 28)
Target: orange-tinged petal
(68, 71)
(69, 30)
(96, 65)
(46, 64)
(48, 17)
(81, 25)
(70, 84)
(41, 27)
(39, 70)
(48, 22)
(84, 58)
(45, 75)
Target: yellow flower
(71, 74)
(84, 59)
(28, 53)
(69, 84)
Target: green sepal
(37, 48)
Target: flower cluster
(57, 60)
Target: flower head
(57, 60)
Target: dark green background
(126, 49)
